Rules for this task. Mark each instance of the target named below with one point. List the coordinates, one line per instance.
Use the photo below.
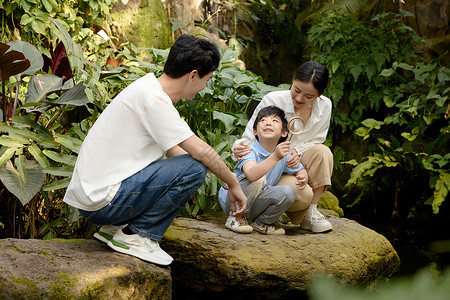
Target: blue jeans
(149, 200)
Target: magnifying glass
(295, 126)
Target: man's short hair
(272, 110)
(191, 53)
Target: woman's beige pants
(318, 161)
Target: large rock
(77, 269)
(144, 23)
(209, 257)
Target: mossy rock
(144, 23)
(330, 202)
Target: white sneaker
(141, 247)
(268, 229)
(106, 233)
(239, 225)
(315, 221)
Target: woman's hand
(294, 160)
(241, 150)
(302, 177)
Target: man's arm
(174, 151)
(201, 151)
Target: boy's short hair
(272, 110)
(190, 53)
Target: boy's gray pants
(265, 204)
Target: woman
(304, 100)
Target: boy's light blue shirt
(259, 154)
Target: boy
(259, 171)
(121, 178)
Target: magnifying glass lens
(296, 126)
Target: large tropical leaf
(31, 53)
(41, 85)
(73, 50)
(12, 180)
(11, 62)
(75, 96)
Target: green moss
(331, 202)
(75, 242)
(30, 291)
(61, 289)
(46, 252)
(147, 26)
(17, 249)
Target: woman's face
(303, 93)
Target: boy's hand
(294, 160)
(302, 177)
(282, 150)
(241, 150)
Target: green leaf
(226, 119)
(59, 171)
(10, 143)
(372, 123)
(41, 85)
(20, 164)
(11, 62)
(38, 155)
(71, 143)
(74, 96)
(46, 137)
(56, 185)
(387, 72)
(31, 53)
(73, 50)
(441, 190)
(65, 158)
(7, 155)
(25, 192)
(22, 132)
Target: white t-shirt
(316, 128)
(136, 129)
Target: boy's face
(270, 128)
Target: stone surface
(209, 257)
(74, 269)
(144, 23)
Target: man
(121, 178)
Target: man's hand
(241, 150)
(302, 177)
(294, 160)
(235, 194)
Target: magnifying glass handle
(290, 134)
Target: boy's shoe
(141, 247)
(315, 221)
(238, 224)
(268, 229)
(106, 233)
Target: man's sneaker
(141, 247)
(315, 221)
(238, 224)
(268, 229)
(106, 233)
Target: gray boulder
(77, 269)
(210, 258)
